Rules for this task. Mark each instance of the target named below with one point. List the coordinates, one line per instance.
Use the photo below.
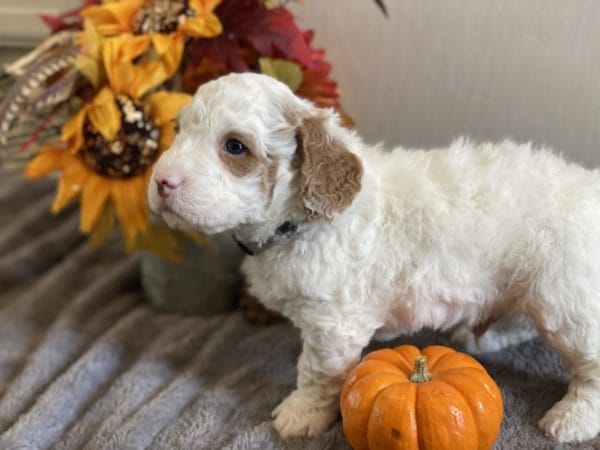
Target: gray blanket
(85, 363)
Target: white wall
(19, 24)
(490, 69)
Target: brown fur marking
(249, 163)
(330, 175)
(270, 179)
(240, 165)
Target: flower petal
(167, 134)
(129, 199)
(146, 76)
(71, 183)
(89, 68)
(170, 49)
(88, 62)
(124, 76)
(113, 17)
(104, 114)
(48, 160)
(163, 106)
(203, 6)
(93, 197)
(72, 130)
(89, 40)
(207, 25)
(162, 41)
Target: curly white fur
(433, 239)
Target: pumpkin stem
(419, 373)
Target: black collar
(284, 232)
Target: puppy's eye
(176, 125)
(235, 147)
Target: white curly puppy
(349, 241)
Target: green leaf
(283, 70)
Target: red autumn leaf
(247, 23)
(316, 84)
(277, 35)
(222, 52)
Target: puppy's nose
(166, 184)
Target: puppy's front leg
(326, 359)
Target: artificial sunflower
(107, 149)
(166, 22)
(104, 164)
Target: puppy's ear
(330, 175)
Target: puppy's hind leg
(573, 330)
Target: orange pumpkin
(437, 399)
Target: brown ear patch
(330, 175)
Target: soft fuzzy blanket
(85, 363)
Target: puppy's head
(249, 152)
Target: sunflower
(166, 22)
(107, 149)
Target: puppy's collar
(284, 233)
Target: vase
(206, 282)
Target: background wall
(490, 69)
(19, 24)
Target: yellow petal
(113, 17)
(72, 130)
(46, 161)
(145, 77)
(129, 198)
(127, 47)
(93, 197)
(167, 134)
(162, 41)
(88, 62)
(105, 115)
(89, 40)
(203, 6)
(170, 49)
(118, 54)
(89, 68)
(163, 106)
(71, 183)
(207, 25)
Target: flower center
(134, 148)
(161, 16)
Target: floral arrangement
(122, 69)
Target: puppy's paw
(302, 415)
(571, 420)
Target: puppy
(351, 242)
